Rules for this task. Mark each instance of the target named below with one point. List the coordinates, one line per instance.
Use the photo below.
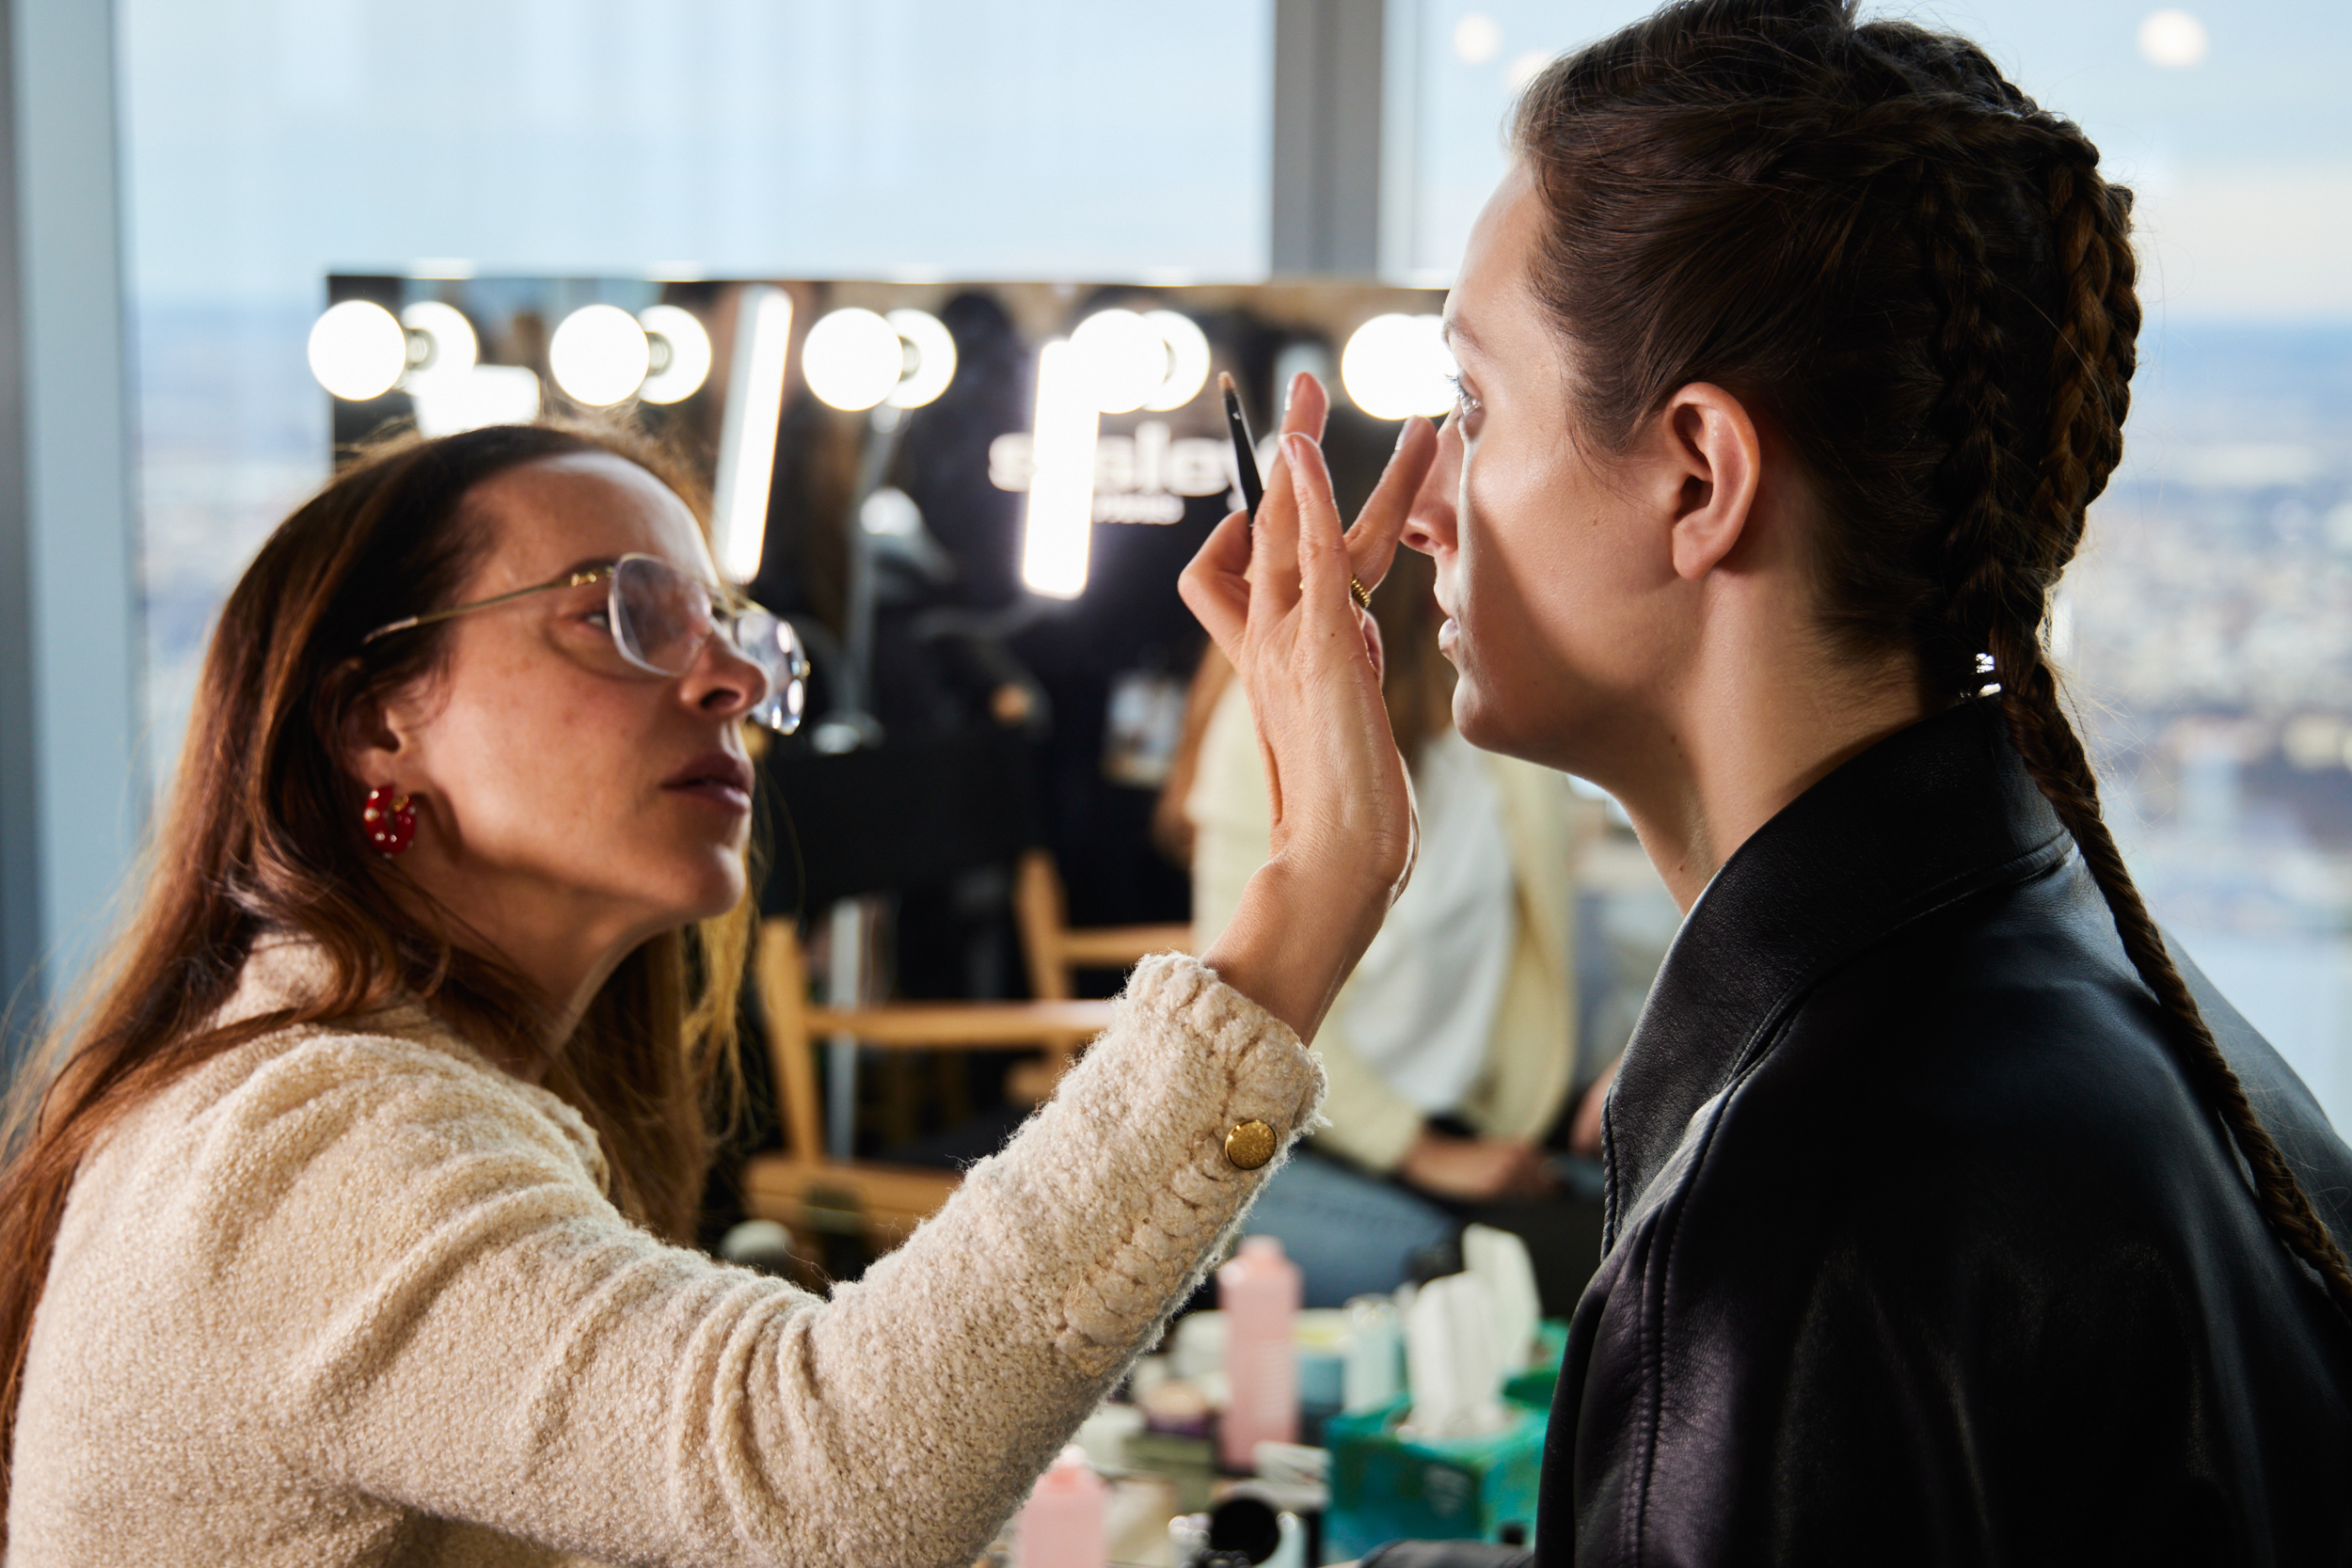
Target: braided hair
(1917, 275)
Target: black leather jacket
(1920, 1248)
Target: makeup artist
(342, 1222)
(1953, 1217)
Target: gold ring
(1363, 595)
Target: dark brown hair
(263, 838)
(1916, 276)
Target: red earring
(392, 821)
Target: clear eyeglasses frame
(660, 620)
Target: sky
(270, 141)
(2242, 162)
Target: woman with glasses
(343, 1222)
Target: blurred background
(190, 174)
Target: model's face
(1557, 581)
(550, 774)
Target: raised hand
(1277, 600)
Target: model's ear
(1712, 461)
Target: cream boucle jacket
(355, 1295)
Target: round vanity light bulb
(688, 365)
(599, 356)
(852, 360)
(1396, 366)
(926, 340)
(357, 350)
(451, 343)
(1187, 358)
(1123, 358)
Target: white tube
(1060, 527)
(747, 440)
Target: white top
(1422, 1006)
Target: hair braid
(1979, 427)
(2053, 755)
(2003, 587)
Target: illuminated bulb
(1187, 353)
(448, 402)
(852, 360)
(1121, 357)
(2174, 39)
(449, 336)
(599, 354)
(747, 439)
(892, 514)
(685, 363)
(924, 339)
(1476, 38)
(1059, 528)
(1396, 366)
(357, 350)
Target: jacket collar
(1927, 816)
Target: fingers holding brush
(1215, 585)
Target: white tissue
(1500, 1259)
(1453, 1360)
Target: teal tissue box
(1533, 1386)
(1387, 1487)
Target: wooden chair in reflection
(803, 1186)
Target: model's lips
(720, 777)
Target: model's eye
(1465, 402)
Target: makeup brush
(1246, 468)
(1244, 449)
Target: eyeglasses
(661, 619)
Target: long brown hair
(1917, 275)
(263, 838)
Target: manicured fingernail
(1403, 431)
(1290, 391)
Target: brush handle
(1245, 456)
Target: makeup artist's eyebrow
(587, 564)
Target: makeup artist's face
(1556, 587)
(551, 773)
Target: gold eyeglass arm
(569, 579)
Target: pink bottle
(1065, 1524)
(1260, 1291)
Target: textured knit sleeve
(1365, 1120)
(420, 1276)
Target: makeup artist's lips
(720, 778)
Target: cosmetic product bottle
(1260, 1291)
(1065, 1523)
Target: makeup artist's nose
(1429, 523)
(723, 680)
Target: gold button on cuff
(1250, 1145)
